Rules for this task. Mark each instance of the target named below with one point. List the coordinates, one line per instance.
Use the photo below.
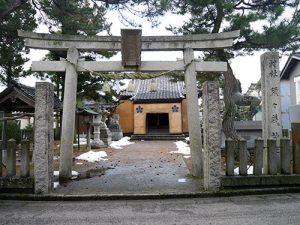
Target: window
(297, 81)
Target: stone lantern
(97, 143)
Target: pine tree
(12, 47)
(279, 32)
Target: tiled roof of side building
(163, 89)
(30, 93)
(290, 65)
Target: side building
(290, 91)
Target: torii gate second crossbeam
(73, 44)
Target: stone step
(177, 137)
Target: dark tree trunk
(230, 87)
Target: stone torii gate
(131, 43)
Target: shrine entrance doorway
(157, 123)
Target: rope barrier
(135, 75)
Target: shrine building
(153, 106)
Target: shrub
(12, 130)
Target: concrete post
(258, 156)
(242, 146)
(211, 136)
(4, 138)
(272, 156)
(68, 119)
(1, 162)
(11, 157)
(25, 160)
(270, 78)
(88, 137)
(229, 152)
(296, 147)
(285, 151)
(43, 138)
(193, 113)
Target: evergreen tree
(280, 31)
(77, 18)
(12, 47)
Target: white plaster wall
(294, 73)
(285, 103)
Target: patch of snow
(120, 143)
(82, 141)
(55, 157)
(114, 98)
(92, 156)
(55, 185)
(187, 138)
(186, 156)
(102, 93)
(249, 170)
(123, 87)
(79, 163)
(182, 180)
(55, 173)
(74, 174)
(183, 148)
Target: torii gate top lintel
(137, 43)
(113, 43)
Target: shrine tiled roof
(161, 89)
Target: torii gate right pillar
(68, 119)
(193, 113)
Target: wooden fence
(15, 171)
(283, 163)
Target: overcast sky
(245, 68)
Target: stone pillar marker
(68, 119)
(212, 136)
(270, 78)
(193, 112)
(43, 138)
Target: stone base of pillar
(97, 144)
(105, 136)
(115, 136)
